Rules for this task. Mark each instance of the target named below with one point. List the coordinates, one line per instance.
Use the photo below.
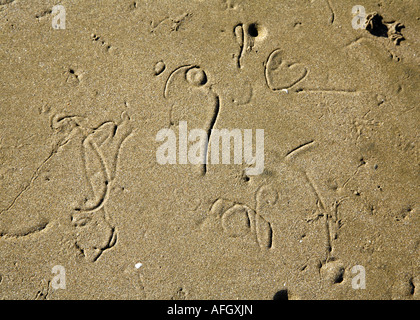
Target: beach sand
(88, 212)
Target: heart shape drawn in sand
(281, 74)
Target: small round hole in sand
(257, 31)
(281, 295)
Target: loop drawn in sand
(192, 99)
(240, 221)
(281, 74)
(94, 230)
(159, 68)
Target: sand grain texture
(80, 186)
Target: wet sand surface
(334, 214)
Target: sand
(86, 210)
